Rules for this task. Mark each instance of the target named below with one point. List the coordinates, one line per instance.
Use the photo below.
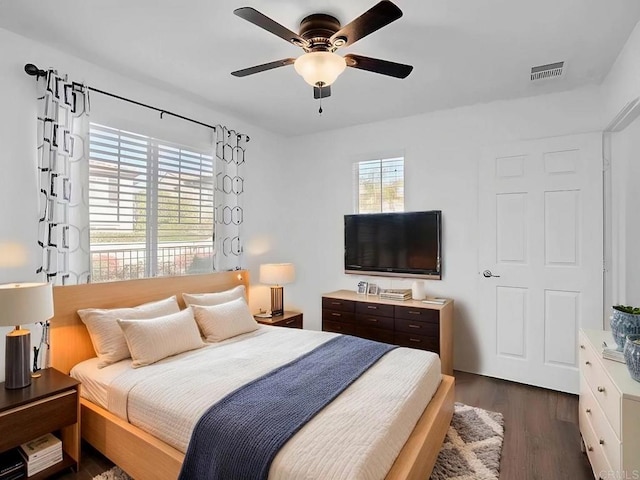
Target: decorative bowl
(623, 324)
(632, 355)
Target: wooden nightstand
(289, 320)
(50, 404)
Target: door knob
(488, 274)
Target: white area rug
(471, 450)
(472, 447)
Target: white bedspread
(357, 436)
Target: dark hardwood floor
(541, 435)
(541, 441)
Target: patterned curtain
(229, 214)
(63, 224)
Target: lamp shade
(277, 273)
(22, 303)
(320, 67)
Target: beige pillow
(153, 339)
(107, 337)
(219, 322)
(213, 298)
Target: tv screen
(404, 244)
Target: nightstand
(50, 404)
(289, 319)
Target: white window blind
(150, 206)
(380, 185)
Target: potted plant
(632, 356)
(624, 321)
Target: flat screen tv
(404, 244)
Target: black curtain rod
(34, 71)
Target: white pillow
(219, 322)
(107, 337)
(153, 339)
(213, 298)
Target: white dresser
(609, 410)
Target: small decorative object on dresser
(372, 289)
(609, 411)
(362, 288)
(632, 356)
(624, 321)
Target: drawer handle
(411, 325)
(582, 347)
(372, 307)
(601, 389)
(374, 320)
(411, 312)
(289, 322)
(587, 362)
(417, 340)
(601, 442)
(588, 410)
(336, 314)
(336, 303)
(590, 448)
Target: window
(150, 206)
(380, 185)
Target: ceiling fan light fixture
(320, 67)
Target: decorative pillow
(153, 339)
(107, 337)
(219, 322)
(217, 298)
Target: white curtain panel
(63, 224)
(230, 149)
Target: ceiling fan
(320, 36)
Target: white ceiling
(463, 51)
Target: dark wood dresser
(409, 323)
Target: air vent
(546, 72)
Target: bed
(145, 456)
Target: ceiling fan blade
(262, 21)
(373, 19)
(375, 65)
(263, 68)
(321, 92)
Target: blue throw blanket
(238, 437)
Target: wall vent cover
(546, 72)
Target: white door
(540, 218)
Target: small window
(379, 185)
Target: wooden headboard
(70, 342)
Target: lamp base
(16, 362)
(277, 299)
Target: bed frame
(145, 457)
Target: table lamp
(276, 275)
(22, 303)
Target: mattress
(357, 436)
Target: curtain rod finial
(34, 71)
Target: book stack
(11, 465)
(41, 453)
(613, 354)
(396, 294)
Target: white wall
(441, 154)
(18, 181)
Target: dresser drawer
(416, 327)
(338, 327)
(597, 457)
(377, 309)
(377, 334)
(604, 391)
(422, 342)
(595, 417)
(422, 314)
(374, 321)
(332, 315)
(44, 416)
(295, 322)
(337, 304)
